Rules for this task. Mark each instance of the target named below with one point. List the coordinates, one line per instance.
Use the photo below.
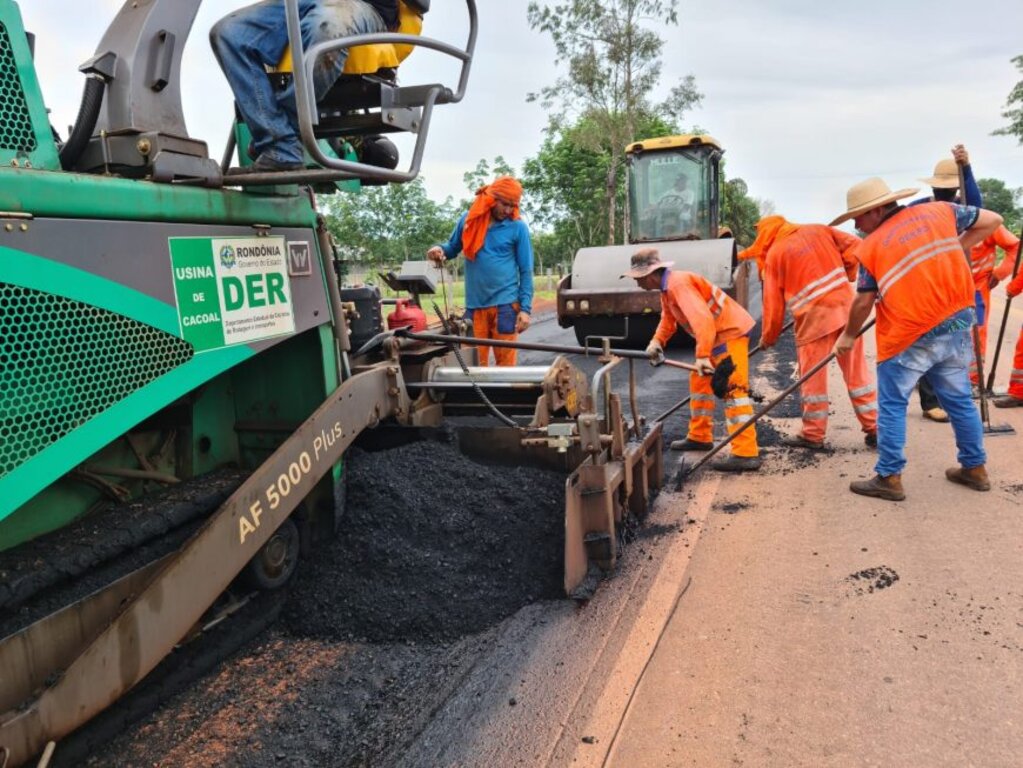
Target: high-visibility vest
(982, 256)
(703, 310)
(922, 274)
(809, 274)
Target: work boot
(733, 463)
(1008, 401)
(974, 477)
(870, 440)
(798, 440)
(888, 488)
(690, 445)
(936, 414)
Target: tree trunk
(612, 199)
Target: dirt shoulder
(822, 628)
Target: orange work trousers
(1016, 377)
(738, 405)
(814, 391)
(985, 293)
(484, 326)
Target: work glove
(1012, 291)
(655, 352)
(704, 366)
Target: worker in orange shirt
(986, 276)
(721, 329)
(809, 268)
(1014, 399)
(913, 271)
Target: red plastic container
(406, 315)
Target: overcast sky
(808, 97)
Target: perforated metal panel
(63, 362)
(16, 131)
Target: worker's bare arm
(858, 314)
(986, 224)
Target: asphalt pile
(434, 546)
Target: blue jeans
(945, 359)
(249, 40)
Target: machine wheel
(275, 562)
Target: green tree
(1004, 200)
(1013, 111)
(389, 224)
(739, 212)
(614, 64)
(484, 173)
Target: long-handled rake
(683, 473)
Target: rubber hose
(88, 114)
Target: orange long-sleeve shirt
(810, 271)
(702, 309)
(982, 257)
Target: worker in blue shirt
(498, 266)
(945, 188)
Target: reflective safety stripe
(867, 390)
(817, 399)
(738, 402)
(702, 397)
(836, 278)
(742, 418)
(815, 415)
(707, 412)
(866, 408)
(915, 258)
(716, 302)
(983, 266)
(1017, 371)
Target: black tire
(275, 563)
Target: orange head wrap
(507, 190)
(770, 229)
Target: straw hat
(868, 195)
(644, 262)
(946, 175)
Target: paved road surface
(777, 620)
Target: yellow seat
(367, 59)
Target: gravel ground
(380, 627)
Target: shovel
(684, 473)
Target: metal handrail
(305, 97)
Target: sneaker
(936, 414)
(265, 164)
(735, 463)
(690, 445)
(887, 488)
(870, 440)
(1008, 401)
(974, 477)
(799, 441)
